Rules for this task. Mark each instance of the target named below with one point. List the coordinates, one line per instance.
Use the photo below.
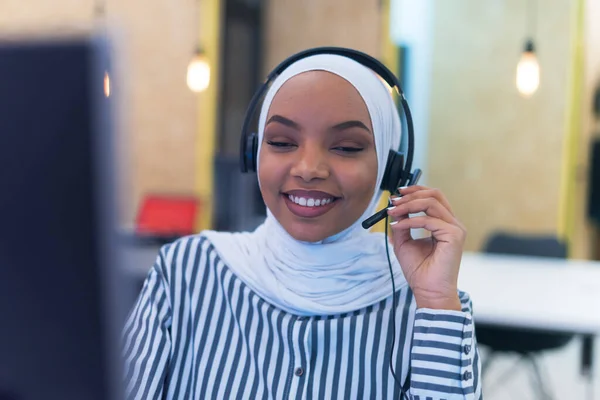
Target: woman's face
(318, 165)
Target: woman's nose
(311, 164)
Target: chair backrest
(526, 245)
(167, 215)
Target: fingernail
(397, 199)
(403, 187)
(391, 208)
(393, 222)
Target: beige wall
(496, 155)
(293, 25)
(159, 112)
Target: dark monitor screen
(56, 249)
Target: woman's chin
(312, 233)
(304, 235)
(312, 230)
(307, 233)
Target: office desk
(532, 292)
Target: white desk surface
(532, 292)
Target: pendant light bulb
(106, 84)
(198, 72)
(528, 71)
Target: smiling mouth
(307, 206)
(306, 201)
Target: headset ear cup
(251, 152)
(247, 153)
(254, 151)
(394, 168)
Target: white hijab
(342, 273)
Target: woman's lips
(306, 206)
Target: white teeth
(309, 202)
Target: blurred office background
(508, 160)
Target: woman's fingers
(430, 206)
(419, 192)
(440, 230)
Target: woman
(301, 307)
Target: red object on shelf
(162, 215)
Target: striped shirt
(198, 332)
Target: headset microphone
(381, 214)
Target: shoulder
(186, 256)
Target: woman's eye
(346, 149)
(281, 145)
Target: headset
(398, 172)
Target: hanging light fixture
(106, 84)
(198, 71)
(528, 68)
(528, 71)
(100, 18)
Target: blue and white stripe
(198, 332)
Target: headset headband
(248, 145)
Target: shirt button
(467, 375)
(467, 349)
(299, 371)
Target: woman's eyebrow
(284, 121)
(337, 127)
(350, 124)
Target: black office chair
(527, 343)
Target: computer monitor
(61, 291)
